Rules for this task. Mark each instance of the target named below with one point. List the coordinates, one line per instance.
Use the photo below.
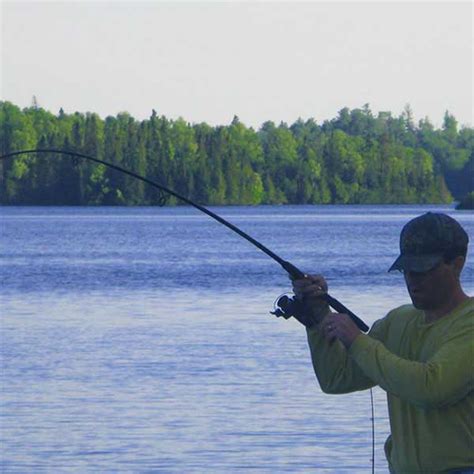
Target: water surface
(140, 340)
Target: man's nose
(410, 275)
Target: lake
(140, 339)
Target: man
(422, 354)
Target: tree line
(356, 157)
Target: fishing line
(373, 429)
(285, 306)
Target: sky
(209, 61)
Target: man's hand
(340, 326)
(309, 290)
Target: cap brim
(416, 263)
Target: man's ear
(458, 264)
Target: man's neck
(456, 299)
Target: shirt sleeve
(335, 370)
(442, 380)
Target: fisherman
(421, 354)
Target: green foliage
(467, 202)
(355, 158)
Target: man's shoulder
(407, 311)
(403, 317)
(463, 315)
(467, 307)
(397, 319)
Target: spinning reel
(288, 306)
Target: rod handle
(296, 274)
(340, 308)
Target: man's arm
(444, 379)
(335, 370)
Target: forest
(356, 158)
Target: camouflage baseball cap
(425, 240)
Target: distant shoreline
(357, 157)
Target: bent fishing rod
(285, 306)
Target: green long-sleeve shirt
(426, 370)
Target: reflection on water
(119, 354)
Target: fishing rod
(285, 306)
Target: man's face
(432, 289)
